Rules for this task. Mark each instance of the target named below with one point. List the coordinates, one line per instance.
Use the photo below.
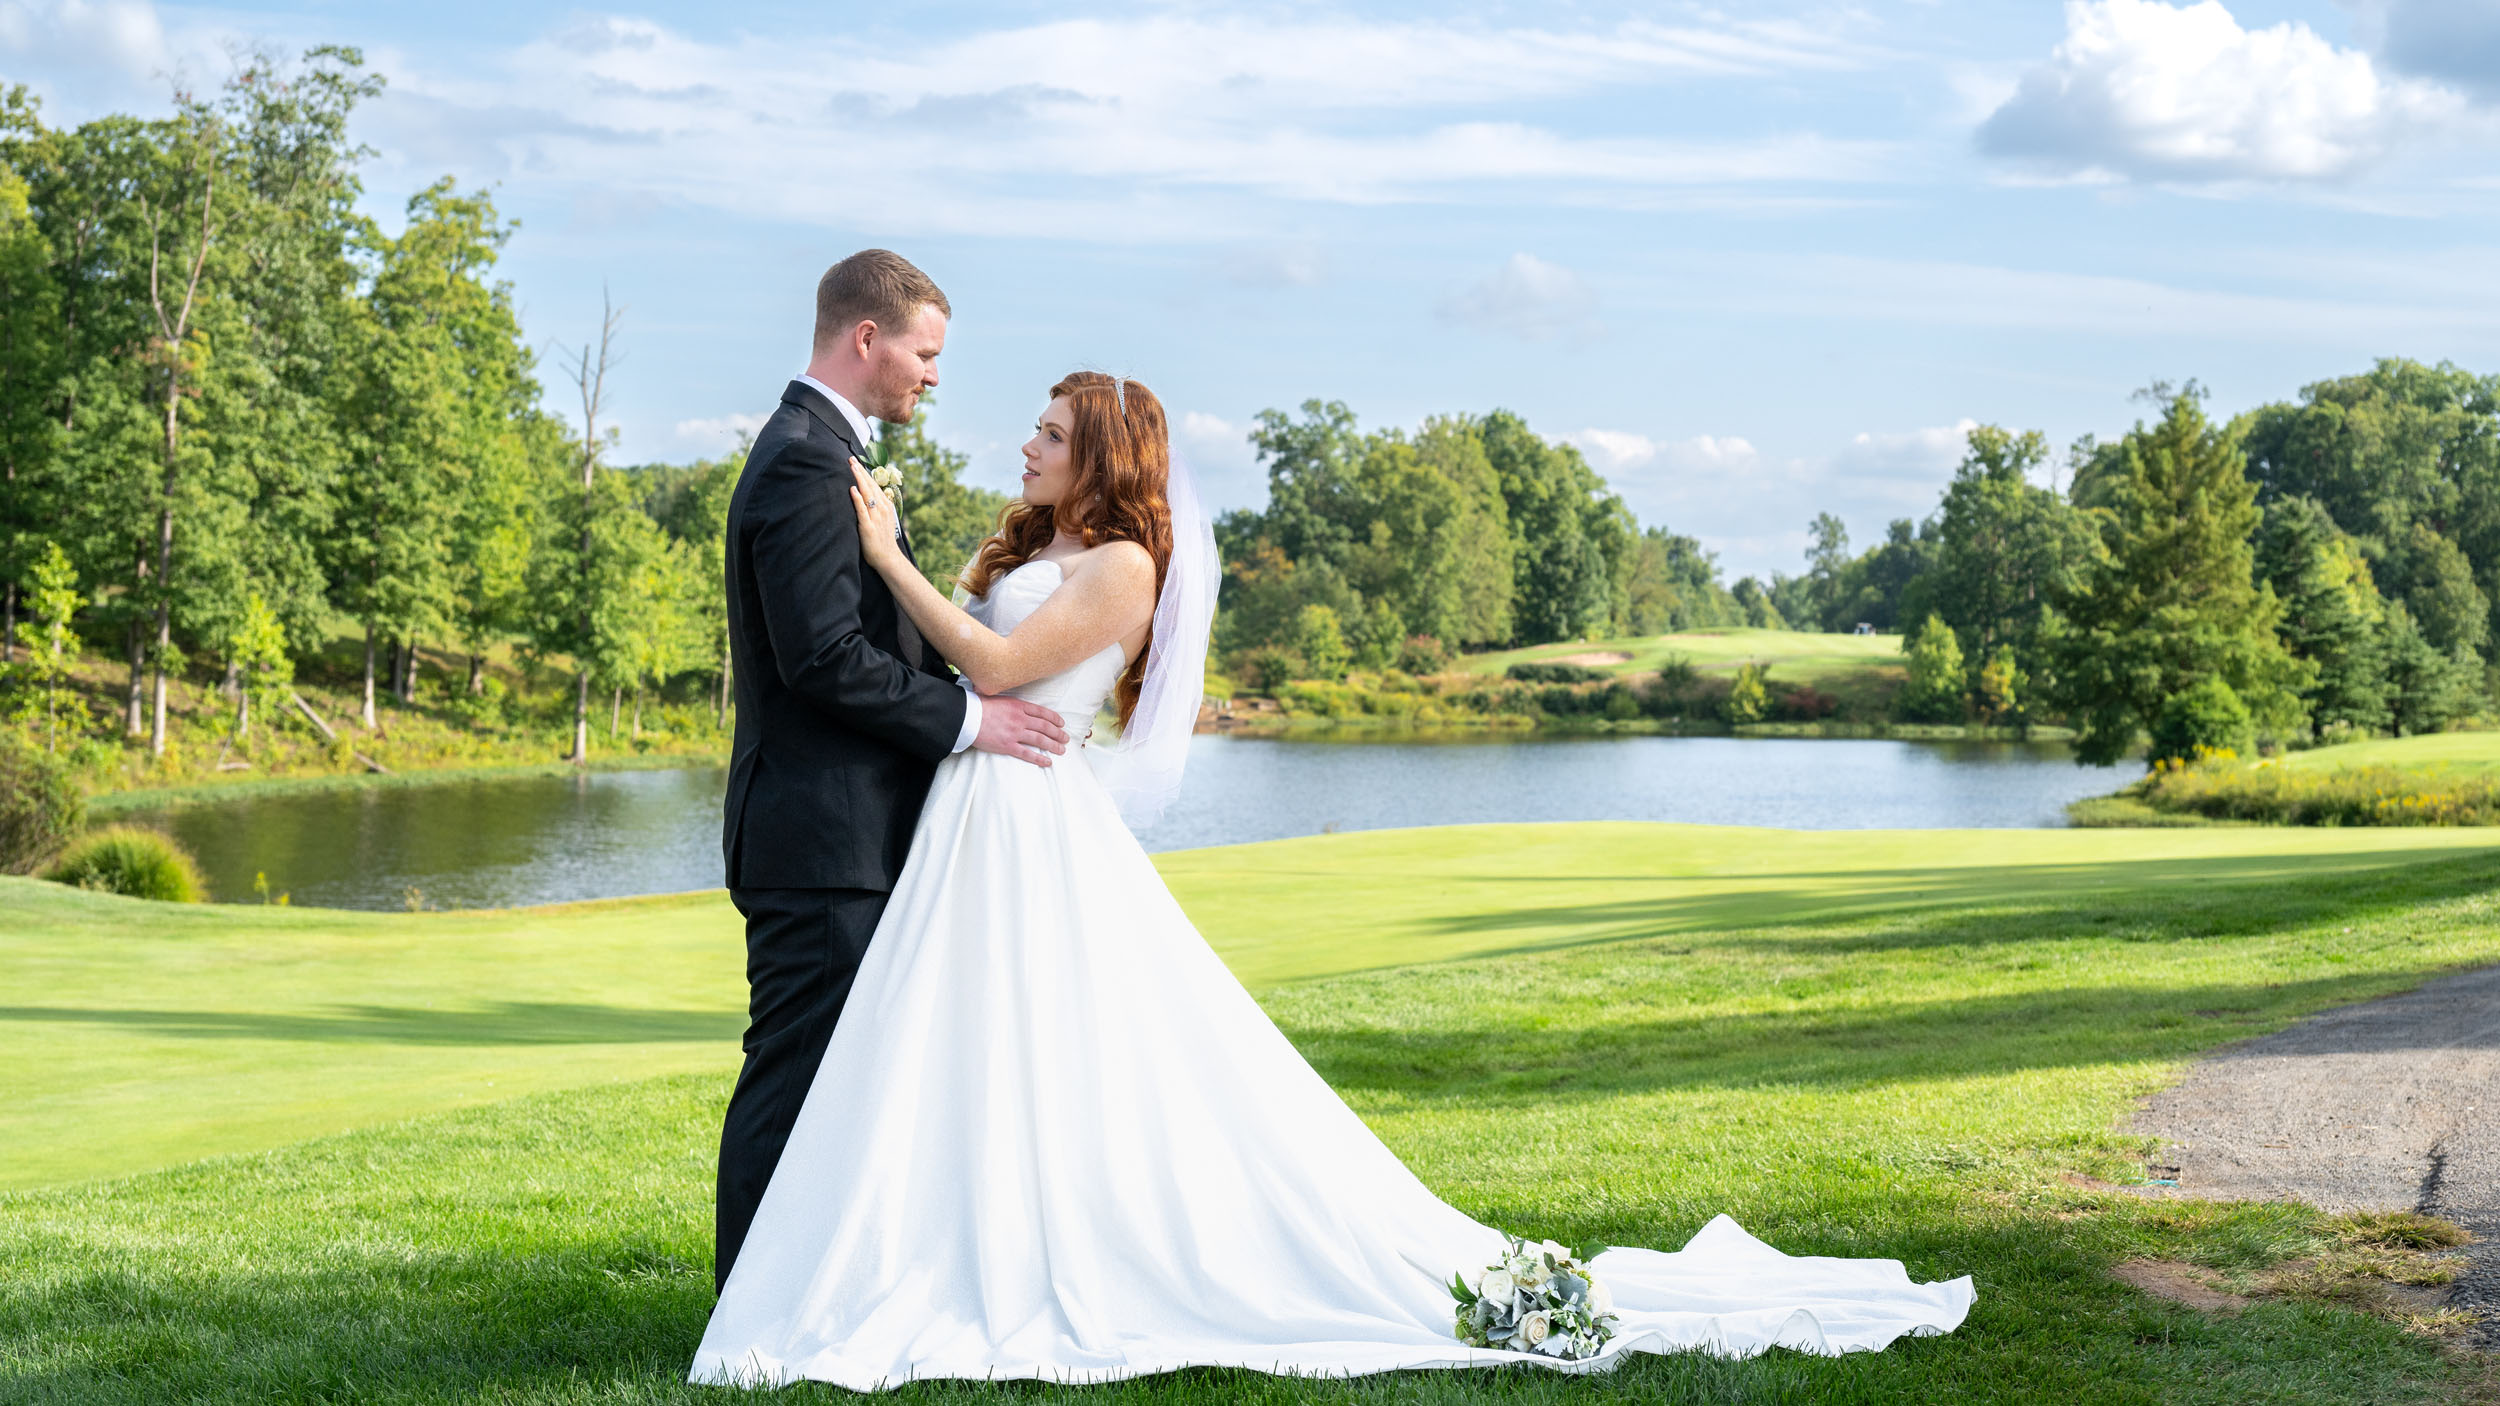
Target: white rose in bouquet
(1535, 1298)
(1601, 1299)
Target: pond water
(472, 844)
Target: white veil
(1143, 773)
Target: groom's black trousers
(803, 948)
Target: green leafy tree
(1936, 689)
(1755, 607)
(2004, 550)
(1997, 695)
(2332, 615)
(2204, 720)
(1311, 463)
(695, 511)
(1674, 585)
(1320, 640)
(1749, 697)
(30, 368)
(1567, 534)
(265, 671)
(2171, 600)
(50, 643)
(2427, 688)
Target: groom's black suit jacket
(843, 713)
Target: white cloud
(719, 432)
(1615, 449)
(1923, 457)
(2139, 89)
(1175, 124)
(1751, 508)
(1218, 452)
(1526, 298)
(123, 35)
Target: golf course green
(467, 1156)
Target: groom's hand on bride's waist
(1012, 727)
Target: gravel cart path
(2389, 1105)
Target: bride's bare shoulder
(1116, 563)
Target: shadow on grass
(502, 1023)
(1860, 1045)
(1832, 1037)
(1926, 909)
(2154, 888)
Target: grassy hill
(1792, 654)
(2448, 751)
(1914, 1045)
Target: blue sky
(1757, 262)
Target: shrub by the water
(1532, 671)
(1422, 654)
(133, 862)
(2281, 795)
(2207, 720)
(41, 805)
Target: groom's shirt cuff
(972, 716)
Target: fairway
(139, 1035)
(1914, 1045)
(1795, 655)
(2447, 751)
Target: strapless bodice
(1076, 692)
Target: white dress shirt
(859, 431)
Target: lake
(551, 839)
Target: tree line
(2312, 569)
(235, 412)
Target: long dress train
(1053, 1137)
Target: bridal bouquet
(1537, 1298)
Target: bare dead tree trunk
(407, 682)
(172, 327)
(590, 377)
(134, 721)
(477, 675)
(368, 712)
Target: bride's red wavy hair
(1120, 493)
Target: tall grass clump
(2377, 795)
(133, 862)
(41, 805)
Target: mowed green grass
(1859, 1044)
(138, 1036)
(1796, 655)
(2443, 751)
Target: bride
(1052, 1136)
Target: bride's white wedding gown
(1053, 1137)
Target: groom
(843, 711)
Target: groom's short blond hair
(873, 285)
